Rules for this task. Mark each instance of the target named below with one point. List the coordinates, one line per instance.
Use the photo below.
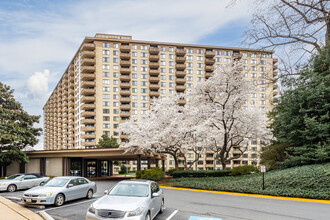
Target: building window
(227, 53)
(116, 111)
(144, 83)
(144, 54)
(106, 52)
(106, 125)
(106, 103)
(106, 111)
(115, 52)
(105, 45)
(144, 62)
(106, 81)
(163, 84)
(105, 74)
(134, 54)
(115, 89)
(106, 96)
(115, 75)
(218, 52)
(105, 67)
(106, 89)
(199, 51)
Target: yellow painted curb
(252, 195)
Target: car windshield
(56, 182)
(130, 189)
(14, 177)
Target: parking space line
(171, 216)
(64, 206)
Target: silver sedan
(131, 200)
(59, 190)
(21, 181)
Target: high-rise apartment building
(113, 77)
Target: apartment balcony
(71, 67)
(208, 75)
(180, 80)
(88, 136)
(126, 78)
(125, 92)
(154, 58)
(125, 56)
(274, 67)
(88, 76)
(125, 70)
(275, 87)
(154, 72)
(181, 52)
(181, 101)
(180, 59)
(88, 47)
(209, 61)
(125, 63)
(88, 121)
(88, 84)
(88, 106)
(125, 107)
(153, 50)
(180, 88)
(125, 85)
(275, 93)
(154, 86)
(125, 136)
(275, 74)
(209, 68)
(88, 114)
(88, 62)
(154, 65)
(88, 128)
(85, 99)
(180, 73)
(154, 93)
(153, 79)
(88, 143)
(125, 48)
(125, 114)
(275, 60)
(180, 66)
(88, 54)
(88, 69)
(71, 123)
(125, 99)
(209, 54)
(87, 92)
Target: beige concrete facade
(33, 166)
(113, 77)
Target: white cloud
(37, 86)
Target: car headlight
(45, 195)
(136, 212)
(91, 209)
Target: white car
(22, 181)
(129, 200)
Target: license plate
(28, 200)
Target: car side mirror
(70, 185)
(155, 194)
(106, 192)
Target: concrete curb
(45, 215)
(11, 210)
(251, 195)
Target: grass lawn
(312, 181)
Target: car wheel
(148, 216)
(89, 194)
(11, 188)
(59, 200)
(162, 207)
(42, 183)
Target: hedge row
(154, 174)
(242, 170)
(310, 181)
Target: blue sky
(39, 38)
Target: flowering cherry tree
(226, 120)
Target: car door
(155, 201)
(72, 190)
(83, 187)
(28, 181)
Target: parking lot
(76, 210)
(192, 205)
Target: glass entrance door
(91, 168)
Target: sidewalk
(13, 211)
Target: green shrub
(171, 171)
(123, 169)
(311, 181)
(242, 170)
(138, 174)
(200, 173)
(154, 174)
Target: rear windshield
(56, 182)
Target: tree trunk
(223, 163)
